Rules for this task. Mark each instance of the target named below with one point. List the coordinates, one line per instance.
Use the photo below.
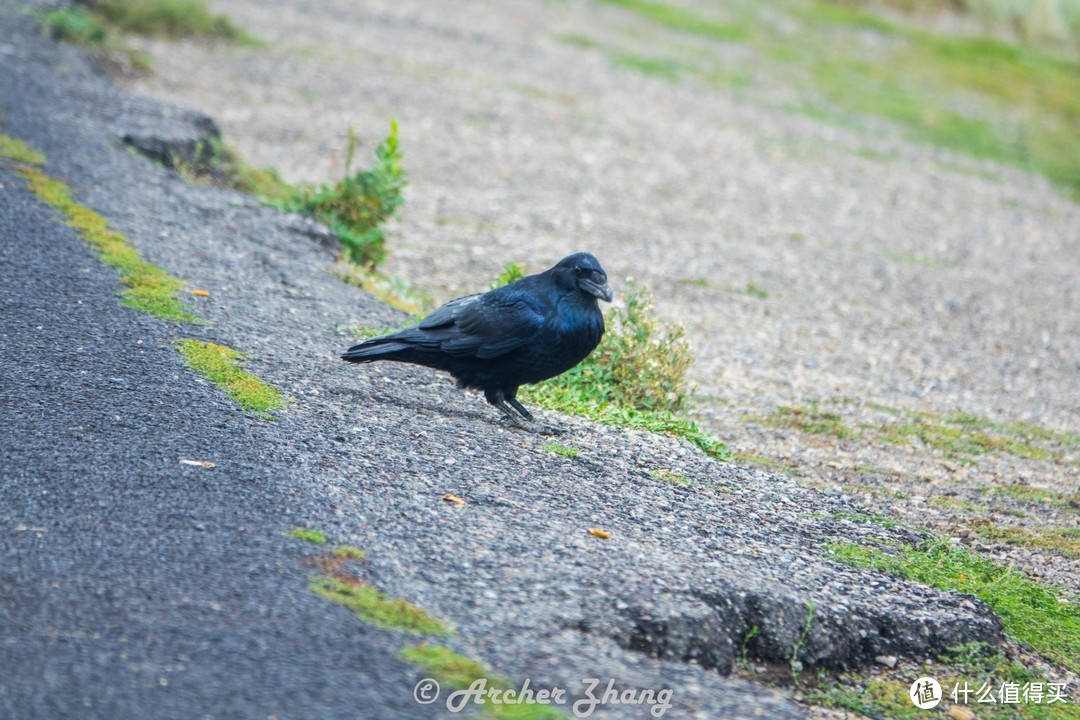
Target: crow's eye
(577, 271)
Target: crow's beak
(600, 290)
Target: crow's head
(581, 271)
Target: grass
(101, 24)
(960, 436)
(1064, 541)
(976, 664)
(810, 420)
(147, 287)
(374, 607)
(454, 671)
(221, 366)
(311, 536)
(1030, 612)
(169, 19)
(562, 450)
(680, 19)
(355, 208)
(979, 96)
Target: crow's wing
(484, 326)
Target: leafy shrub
(356, 206)
(641, 363)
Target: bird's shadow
(456, 408)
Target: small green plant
(511, 272)
(562, 450)
(640, 363)
(349, 552)
(169, 19)
(795, 663)
(221, 365)
(669, 476)
(307, 535)
(356, 206)
(374, 607)
(75, 25)
(1029, 611)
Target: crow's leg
(520, 408)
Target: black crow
(524, 332)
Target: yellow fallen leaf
(602, 534)
(197, 463)
(453, 498)
(201, 293)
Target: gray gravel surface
(894, 274)
(133, 585)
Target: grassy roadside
(1012, 103)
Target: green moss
(1030, 612)
(349, 552)
(955, 503)
(14, 149)
(148, 287)
(311, 536)
(669, 476)
(221, 366)
(562, 450)
(810, 420)
(374, 607)
(454, 671)
(1032, 494)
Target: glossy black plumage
(525, 332)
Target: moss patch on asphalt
(308, 535)
(221, 365)
(1030, 612)
(148, 287)
(375, 607)
(15, 149)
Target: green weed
(511, 272)
(1030, 612)
(169, 19)
(356, 206)
(563, 450)
(349, 552)
(221, 366)
(307, 535)
(374, 607)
